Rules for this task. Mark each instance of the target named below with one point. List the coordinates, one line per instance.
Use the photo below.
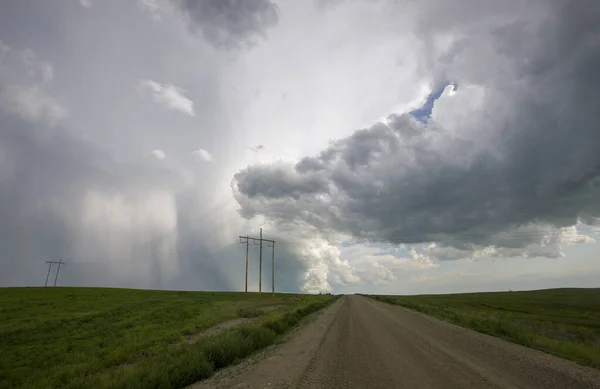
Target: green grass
(120, 338)
(563, 322)
(249, 313)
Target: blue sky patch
(424, 112)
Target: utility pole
(246, 289)
(273, 268)
(48, 275)
(260, 266)
(50, 263)
(259, 241)
(60, 262)
(247, 242)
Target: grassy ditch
(563, 322)
(116, 338)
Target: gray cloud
(231, 23)
(528, 154)
(51, 186)
(114, 224)
(168, 95)
(278, 182)
(24, 80)
(85, 188)
(78, 180)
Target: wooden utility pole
(246, 289)
(259, 241)
(48, 275)
(260, 266)
(244, 239)
(273, 269)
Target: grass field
(563, 322)
(119, 338)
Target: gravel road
(362, 343)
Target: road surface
(362, 343)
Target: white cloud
(202, 155)
(378, 265)
(32, 103)
(4, 48)
(575, 235)
(159, 154)
(47, 71)
(24, 80)
(329, 266)
(35, 68)
(526, 242)
(86, 3)
(456, 277)
(169, 96)
(154, 7)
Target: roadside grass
(121, 338)
(563, 322)
(249, 313)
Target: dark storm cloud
(45, 176)
(279, 182)
(84, 189)
(531, 154)
(231, 23)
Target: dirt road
(362, 343)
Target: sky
(387, 146)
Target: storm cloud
(516, 145)
(114, 224)
(139, 139)
(230, 23)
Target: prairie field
(124, 338)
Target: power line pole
(273, 268)
(259, 241)
(247, 242)
(260, 267)
(48, 275)
(60, 262)
(50, 263)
